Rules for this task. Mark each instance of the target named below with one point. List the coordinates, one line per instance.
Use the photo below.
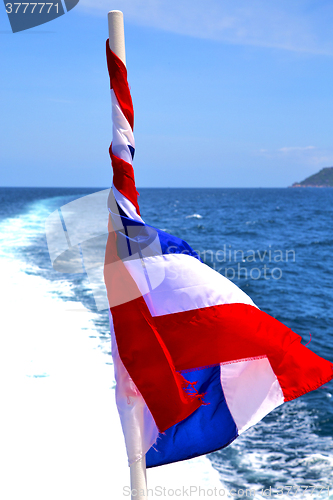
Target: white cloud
(324, 159)
(294, 149)
(296, 26)
(307, 155)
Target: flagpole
(116, 34)
(117, 45)
(139, 479)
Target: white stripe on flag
(251, 390)
(182, 283)
(126, 205)
(122, 134)
(138, 425)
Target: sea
(60, 435)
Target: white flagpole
(139, 479)
(117, 45)
(116, 34)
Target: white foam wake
(60, 432)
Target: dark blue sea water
(276, 245)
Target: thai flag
(196, 362)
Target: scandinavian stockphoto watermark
(237, 264)
(254, 264)
(77, 235)
(286, 491)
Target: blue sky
(227, 93)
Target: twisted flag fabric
(196, 362)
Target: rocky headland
(324, 178)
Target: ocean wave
(280, 450)
(194, 216)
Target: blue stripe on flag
(172, 244)
(136, 238)
(132, 150)
(208, 429)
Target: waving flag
(196, 362)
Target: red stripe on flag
(118, 82)
(206, 337)
(141, 348)
(123, 179)
(229, 332)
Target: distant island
(324, 178)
